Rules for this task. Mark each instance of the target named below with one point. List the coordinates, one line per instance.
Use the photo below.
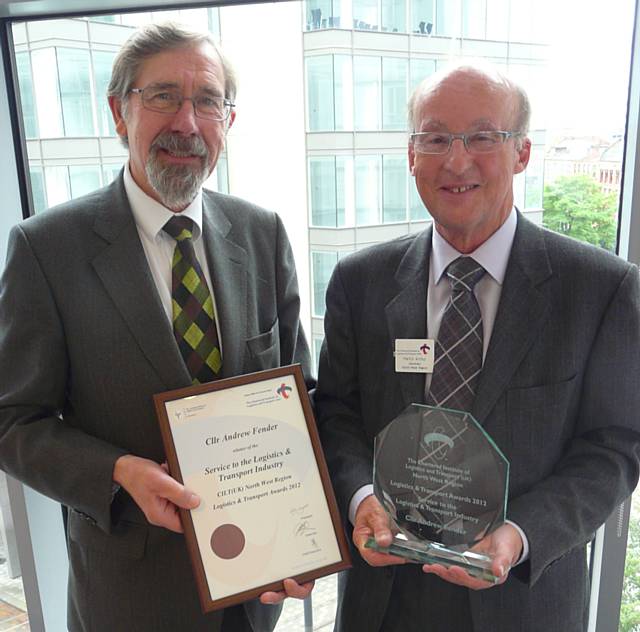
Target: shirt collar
(492, 255)
(150, 216)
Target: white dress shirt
(150, 216)
(493, 256)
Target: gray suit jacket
(84, 345)
(558, 393)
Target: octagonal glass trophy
(443, 482)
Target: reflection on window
(368, 181)
(366, 93)
(75, 91)
(25, 83)
(394, 189)
(422, 16)
(394, 92)
(84, 179)
(322, 264)
(320, 93)
(393, 15)
(102, 62)
(37, 189)
(45, 79)
(365, 15)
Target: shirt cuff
(524, 556)
(356, 499)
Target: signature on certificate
(303, 525)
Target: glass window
(422, 16)
(317, 346)
(365, 14)
(420, 69)
(45, 79)
(110, 172)
(57, 183)
(322, 187)
(318, 13)
(534, 180)
(394, 189)
(75, 91)
(367, 80)
(25, 83)
(343, 90)
(84, 179)
(498, 19)
(393, 15)
(37, 189)
(418, 210)
(474, 18)
(367, 189)
(102, 61)
(322, 264)
(320, 93)
(395, 73)
(448, 18)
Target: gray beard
(177, 185)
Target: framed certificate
(249, 447)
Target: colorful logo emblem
(284, 390)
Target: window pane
(322, 264)
(365, 14)
(422, 16)
(393, 15)
(102, 62)
(322, 185)
(420, 69)
(343, 85)
(418, 209)
(367, 189)
(320, 93)
(45, 79)
(318, 13)
(447, 18)
(75, 91)
(394, 189)
(84, 179)
(344, 189)
(37, 189)
(394, 92)
(474, 15)
(57, 182)
(366, 77)
(25, 83)
(110, 173)
(498, 19)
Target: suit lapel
(123, 269)
(228, 267)
(523, 310)
(406, 312)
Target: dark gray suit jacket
(84, 345)
(559, 393)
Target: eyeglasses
(483, 142)
(167, 101)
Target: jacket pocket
(264, 349)
(126, 539)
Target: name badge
(414, 355)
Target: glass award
(443, 482)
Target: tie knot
(464, 273)
(179, 227)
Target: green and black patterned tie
(194, 324)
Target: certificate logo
(283, 390)
(425, 348)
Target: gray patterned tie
(458, 356)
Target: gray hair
(152, 39)
(491, 75)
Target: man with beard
(89, 331)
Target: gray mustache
(181, 145)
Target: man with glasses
(147, 285)
(542, 350)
